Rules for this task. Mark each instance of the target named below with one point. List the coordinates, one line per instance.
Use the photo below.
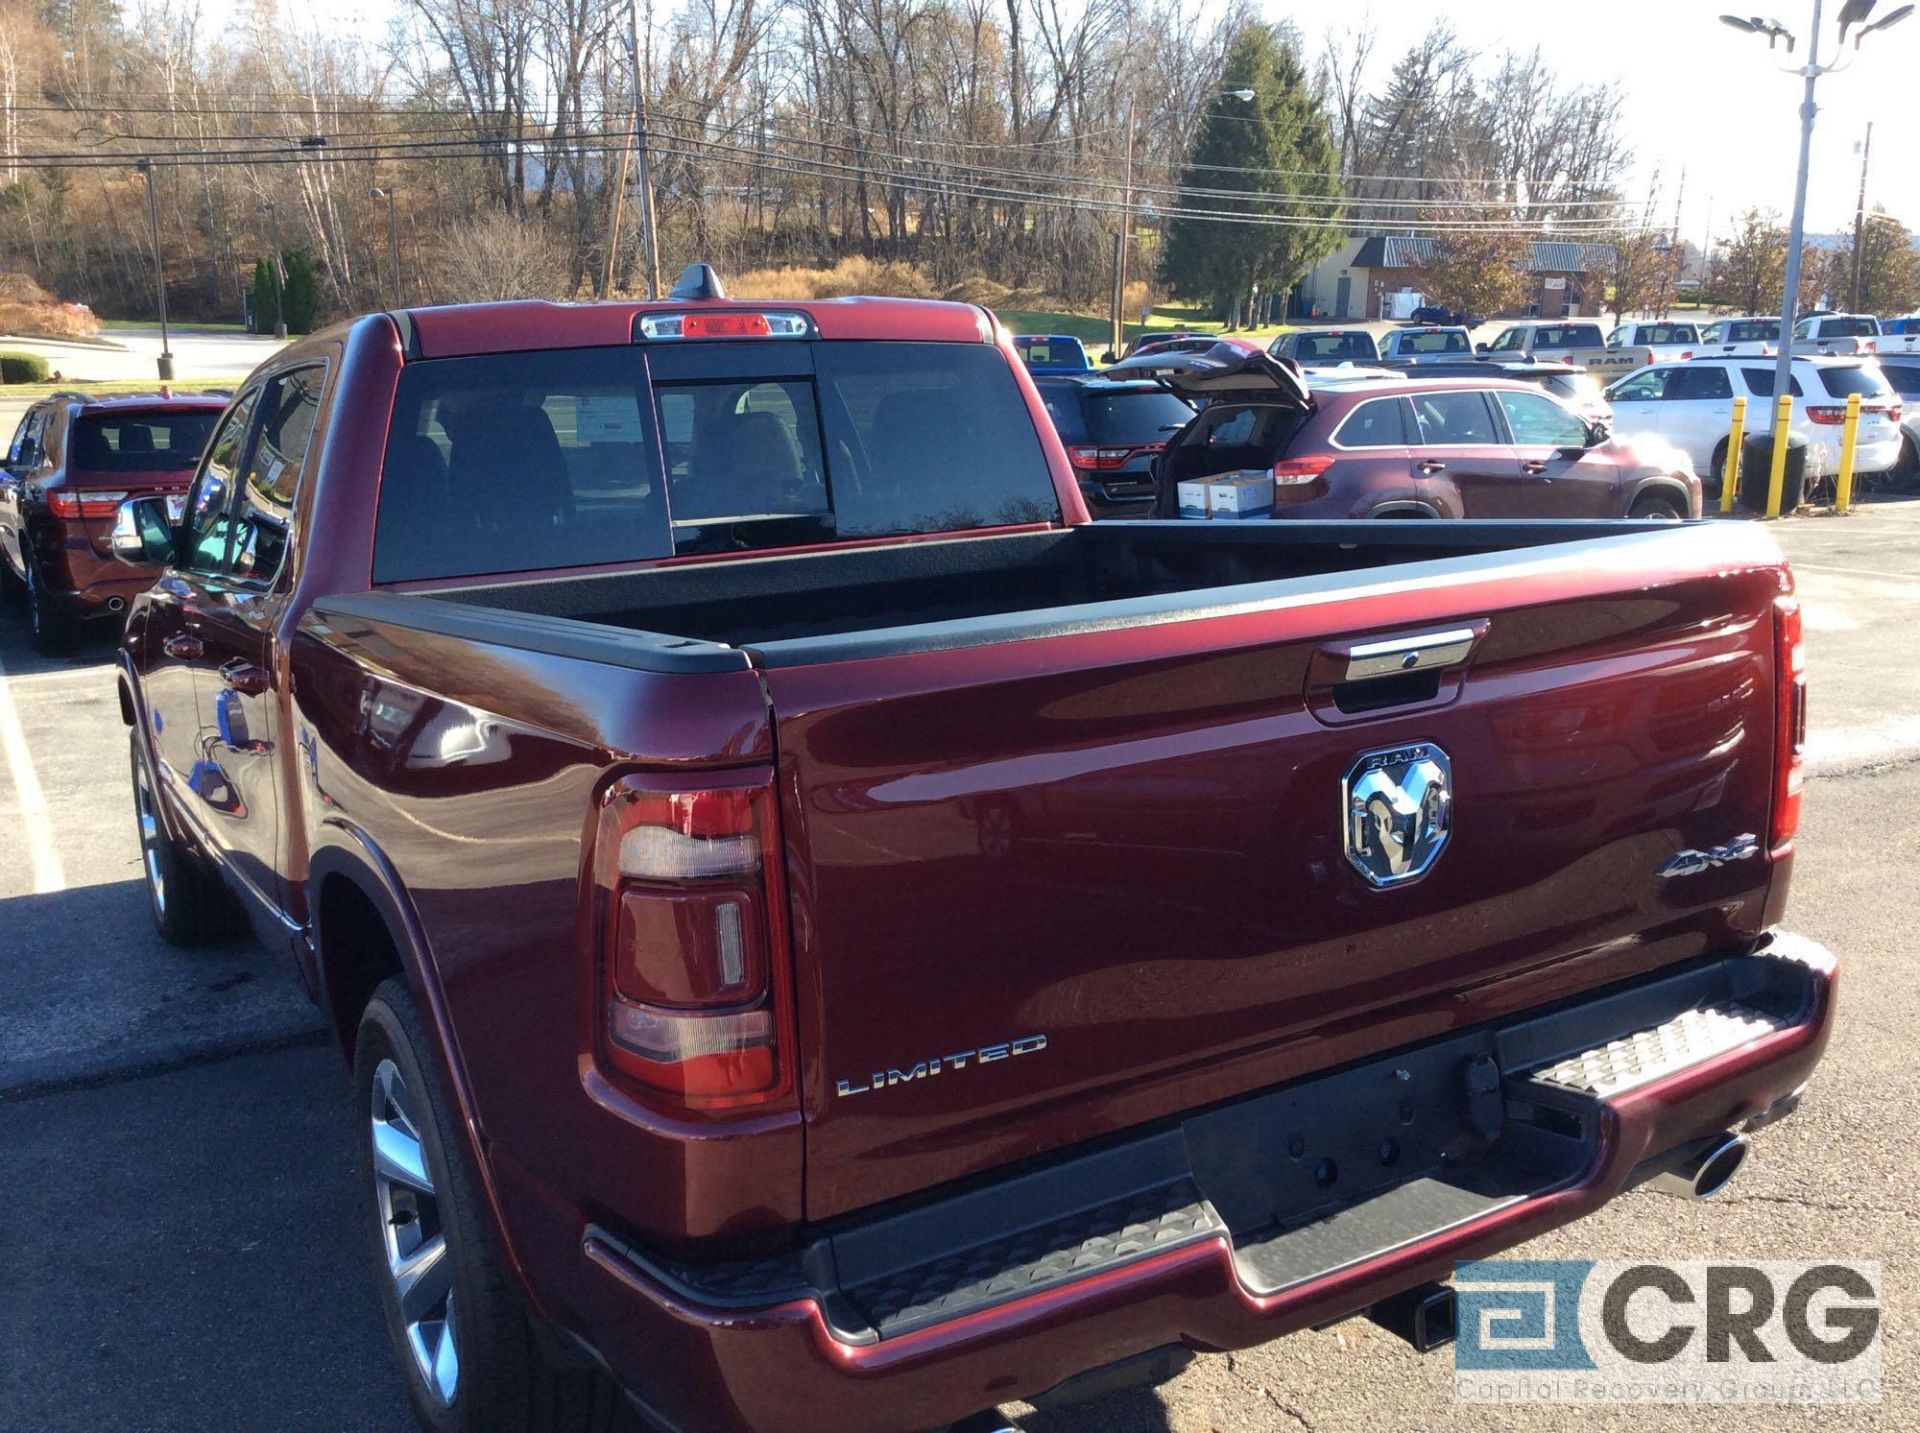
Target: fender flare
(1405, 508)
(344, 850)
(1664, 484)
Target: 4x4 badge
(1396, 805)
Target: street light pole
(1797, 230)
(145, 166)
(1860, 218)
(1116, 324)
(393, 241)
(279, 271)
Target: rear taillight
(1688, 354)
(1827, 414)
(1790, 731)
(1099, 459)
(1299, 472)
(690, 937)
(63, 502)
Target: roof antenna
(697, 281)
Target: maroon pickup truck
(828, 938)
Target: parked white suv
(1744, 337)
(1690, 405)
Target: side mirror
(142, 536)
(1483, 348)
(1109, 357)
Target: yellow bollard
(1849, 440)
(1730, 470)
(1782, 427)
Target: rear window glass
(1377, 423)
(140, 442)
(1571, 336)
(1452, 341)
(515, 462)
(1336, 346)
(1752, 331)
(1142, 417)
(1905, 378)
(1848, 328)
(1865, 380)
(1760, 382)
(1667, 333)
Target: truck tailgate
(1054, 881)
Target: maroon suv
(1414, 447)
(72, 462)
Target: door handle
(1431, 466)
(244, 677)
(183, 647)
(1533, 467)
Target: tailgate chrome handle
(1419, 653)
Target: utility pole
(1860, 218)
(145, 166)
(619, 211)
(1116, 326)
(649, 240)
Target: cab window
(1693, 384)
(1377, 423)
(264, 502)
(207, 525)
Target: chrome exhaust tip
(116, 604)
(1701, 1169)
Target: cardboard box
(1247, 493)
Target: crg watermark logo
(1584, 1331)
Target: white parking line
(1853, 571)
(47, 874)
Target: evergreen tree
(1278, 143)
(303, 293)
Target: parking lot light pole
(393, 240)
(279, 272)
(1117, 324)
(145, 166)
(1851, 15)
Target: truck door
(170, 649)
(239, 608)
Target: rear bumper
(87, 583)
(1211, 1233)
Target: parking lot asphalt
(181, 1245)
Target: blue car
(1053, 353)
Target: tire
(13, 591)
(1718, 472)
(1656, 507)
(53, 629)
(467, 1345)
(189, 904)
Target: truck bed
(832, 605)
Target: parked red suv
(1413, 447)
(73, 460)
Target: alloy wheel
(412, 1233)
